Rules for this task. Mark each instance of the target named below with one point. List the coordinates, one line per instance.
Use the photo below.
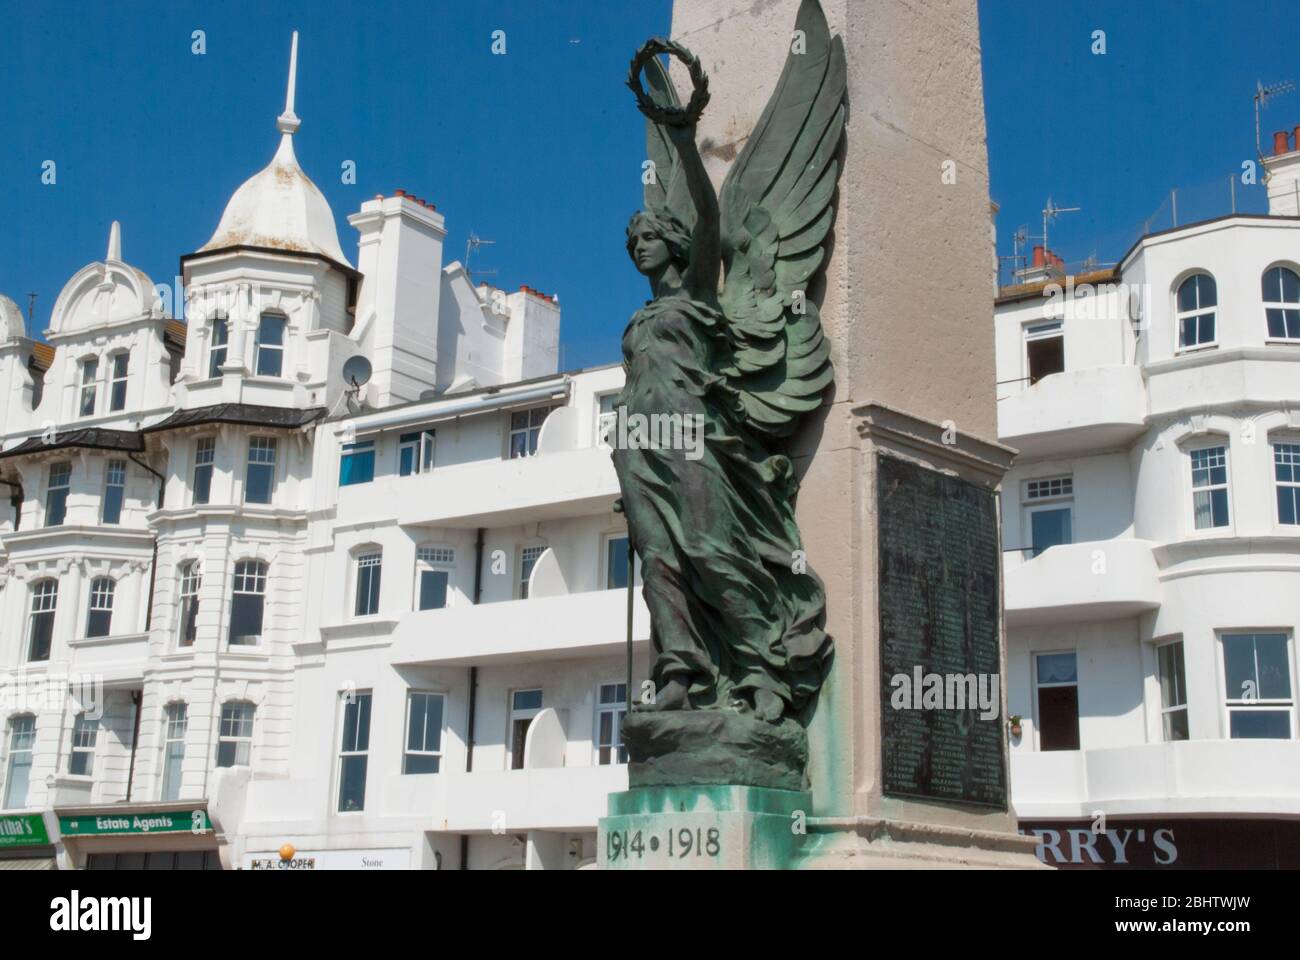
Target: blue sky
(540, 149)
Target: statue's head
(656, 239)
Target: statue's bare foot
(673, 696)
(768, 706)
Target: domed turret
(279, 207)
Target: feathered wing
(666, 191)
(776, 207)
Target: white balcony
(1075, 411)
(118, 659)
(488, 493)
(1097, 580)
(1190, 778)
(575, 625)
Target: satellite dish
(356, 372)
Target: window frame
(1285, 306)
(1228, 706)
(1198, 313)
(218, 346)
(407, 751)
(604, 417)
(531, 433)
(517, 714)
(205, 458)
(617, 707)
(188, 575)
(343, 754)
(367, 580)
(118, 378)
(427, 561)
(103, 591)
(421, 445)
(263, 348)
(241, 736)
(114, 493)
(1036, 330)
(1207, 445)
(175, 720)
(258, 575)
(36, 594)
(9, 801)
(1179, 683)
(1290, 486)
(87, 387)
(357, 457)
(84, 744)
(265, 443)
(521, 581)
(1037, 685)
(607, 540)
(62, 491)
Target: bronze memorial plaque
(941, 690)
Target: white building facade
(1152, 537)
(257, 612)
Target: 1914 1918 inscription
(939, 637)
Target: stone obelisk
(909, 430)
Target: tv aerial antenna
(1050, 214)
(1263, 95)
(472, 244)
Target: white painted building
(379, 620)
(1152, 537)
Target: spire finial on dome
(288, 122)
(114, 242)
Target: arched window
(1282, 303)
(235, 740)
(1197, 299)
(40, 629)
(188, 582)
(270, 345)
(22, 738)
(248, 597)
(100, 619)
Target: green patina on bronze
(737, 617)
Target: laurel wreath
(672, 116)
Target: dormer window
(1282, 303)
(270, 345)
(89, 374)
(217, 348)
(117, 390)
(1197, 298)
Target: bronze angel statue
(737, 619)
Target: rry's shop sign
(1167, 843)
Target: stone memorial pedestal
(703, 828)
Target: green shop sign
(134, 824)
(22, 830)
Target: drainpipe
(473, 690)
(153, 564)
(136, 697)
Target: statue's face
(649, 251)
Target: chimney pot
(1038, 256)
(399, 193)
(1280, 145)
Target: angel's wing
(776, 214)
(666, 190)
